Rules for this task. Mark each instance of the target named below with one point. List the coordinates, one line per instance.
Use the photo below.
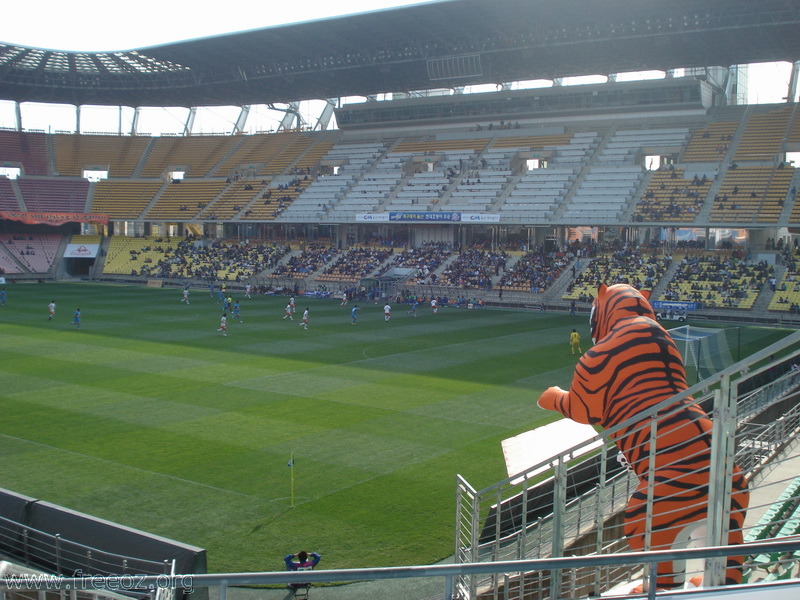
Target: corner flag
(290, 464)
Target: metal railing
(56, 554)
(536, 569)
(576, 508)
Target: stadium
(455, 163)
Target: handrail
(447, 571)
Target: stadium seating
(751, 194)
(642, 269)
(123, 199)
(28, 149)
(763, 136)
(671, 196)
(178, 200)
(717, 280)
(710, 143)
(119, 155)
(35, 252)
(54, 195)
(8, 199)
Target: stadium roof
(443, 44)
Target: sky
(80, 25)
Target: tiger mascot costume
(634, 365)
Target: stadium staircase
(22, 268)
(87, 206)
(592, 160)
(137, 170)
(448, 193)
(100, 262)
(791, 200)
(499, 202)
(18, 195)
(658, 291)
(764, 297)
(155, 199)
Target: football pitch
(149, 417)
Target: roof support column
(189, 125)
(326, 115)
(241, 121)
(17, 116)
(292, 115)
(135, 121)
(792, 91)
(77, 119)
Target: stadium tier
(700, 170)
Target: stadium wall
(62, 541)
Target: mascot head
(615, 303)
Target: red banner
(48, 218)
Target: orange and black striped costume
(633, 366)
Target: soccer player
(387, 313)
(413, 311)
(575, 341)
(353, 314)
(305, 319)
(223, 324)
(185, 295)
(236, 312)
(247, 289)
(287, 312)
(434, 305)
(291, 302)
(3, 297)
(52, 308)
(76, 318)
(344, 298)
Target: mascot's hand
(549, 398)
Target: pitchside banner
(81, 250)
(675, 306)
(49, 218)
(427, 217)
(412, 216)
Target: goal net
(705, 350)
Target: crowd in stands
(307, 262)
(534, 271)
(502, 125)
(680, 202)
(787, 292)
(411, 298)
(714, 279)
(425, 259)
(642, 268)
(356, 263)
(710, 279)
(474, 268)
(192, 260)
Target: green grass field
(147, 416)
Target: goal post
(705, 350)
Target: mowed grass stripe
(365, 409)
(149, 417)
